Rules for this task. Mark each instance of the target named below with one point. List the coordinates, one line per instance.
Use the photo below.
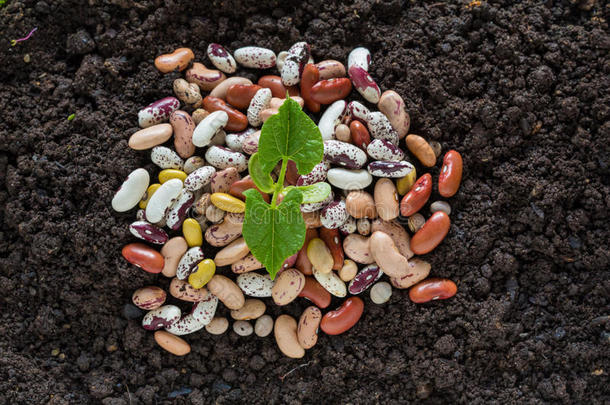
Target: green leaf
(315, 193)
(261, 178)
(273, 234)
(290, 135)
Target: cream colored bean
(398, 234)
(217, 326)
(199, 114)
(331, 283)
(348, 271)
(386, 199)
(252, 309)
(381, 293)
(320, 256)
(343, 133)
(285, 331)
(387, 256)
(417, 271)
(227, 291)
(255, 284)
(307, 331)
(263, 326)
(287, 286)
(188, 93)
(440, 206)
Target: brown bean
(312, 219)
(183, 126)
(432, 289)
(143, 257)
(415, 199)
(177, 60)
(421, 149)
(332, 239)
(360, 134)
(451, 174)
(302, 263)
(240, 95)
(314, 292)
(220, 91)
(277, 87)
(309, 77)
(231, 253)
(392, 106)
(307, 331)
(360, 204)
(203, 77)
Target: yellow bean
(404, 184)
(192, 232)
(149, 192)
(168, 174)
(228, 203)
(205, 271)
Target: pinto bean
(330, 68)
(415, 199)
(177, 60)
(432, 289)
(307, 331)
(227, 291)
(431, 234)
(332, 239)
(237, 121)
(287, 286)
(252, 309)
(418, 270)
(421, 149)
(397, 232)
(393, 106)
(184, 291)
(148, 297)
(205, 78)
(314, 292)
(331, 90)
(343, 318)
(451, 174)
(309, 78)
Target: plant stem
(280, 183)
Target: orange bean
(415, 199)
(173, 344)
(240, 95)
(421, 149)
(343, 318)
(360, 135)
(177, 60)
(432, 289)
(332, 239)
(315, 293)
(144, 257)
(277, 87)
(331, 90)
(431, 234)
(451, 174)
(310, 76)
(237, 189)
(237, 121)
(303, 262)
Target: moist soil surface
(522, 91)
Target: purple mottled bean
(364, 279)
(148, 232)
(157, 112)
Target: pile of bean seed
(202, 198)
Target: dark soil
(522, 91)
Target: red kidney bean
(237, 121)
(237, 189)
(310, 76)
(277, 87)
(431, 234)
(343, 318)
(432, 289)
(451, 174)
(360, 134)
(331, 90)
(332, 239)
(240, 95)
(144, 257)
(415, 199)
(315, 293)
(302, 263)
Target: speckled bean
(206, 129)
(188, 93)
(182, 290)
(350, 226)
(226, 232)
(223, 179)
(178, 210)
(364, 83)
(380, 127)
(364, 279)
(330, 68)
(183, 127)
(188, 262)
(221, 58)
(255, 57)
(344, 154)
(317, 174)
(287, 286)
(157, 112)
(363, 225)
(221, 158)
(358, 111)
(296, 59)
(250, 143)
(382, 168)
(166, 158)
(259, 102)
(331, 283)
(380, 149)
(199, 178)
(255, 284)
(360, 57)
(307, 331)
(334, 214)
(201, 314)
(161, 317)
(236, 140)
(246, 264)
